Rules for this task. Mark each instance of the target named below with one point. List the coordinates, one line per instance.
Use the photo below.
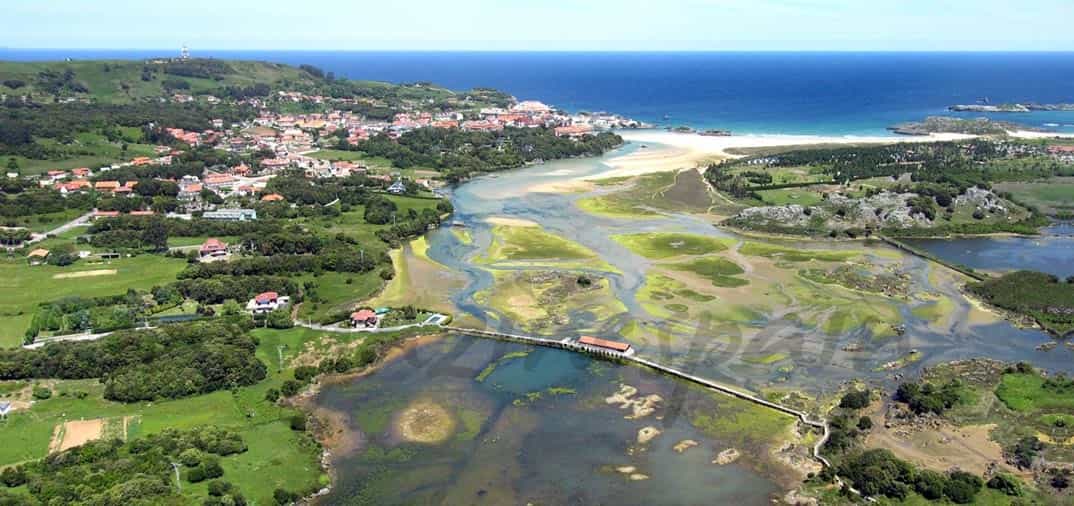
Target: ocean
(794, 93)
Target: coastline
(675, 150)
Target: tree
(13, 165)
(298, 423)
(865, 423)
(155, 236)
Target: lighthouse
(184, 53)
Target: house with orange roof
(37, 256)
(215, 180)
(106, 186)
(105, 214)
(272, 197)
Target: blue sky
(703, 25)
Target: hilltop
(126, 81)
(122, 81)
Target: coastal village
(289, 140)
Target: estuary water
(1051, 252)
(538, 428)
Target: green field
(24, 287)
(800, 196)
(1049, 196)
(658, 246)
(120, 81)
(86, 150)
(796, 254)
(1027, 392)
(277, 458)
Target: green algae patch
(613, 207)
(462, 235)
(796, 254)
(769, 359)
(376, 419)
(742, 421)
(720, 271)
(491, 368)
(659, 245)
(534, 246)
(936, 310)
(547, 299)
(471, 421)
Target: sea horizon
(831, 93)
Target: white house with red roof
(213, 250)
(267, 302)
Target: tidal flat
(550, 427)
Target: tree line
(170, 362)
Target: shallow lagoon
(565, 446)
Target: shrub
(290, 388)
(212, 468)
(272, 395)
(190, 457)
(298, 423)
(42, 393)
(865, 423)
(962, 487)
(1005, 483)
(856, 399)
(219, 488)
(284, 497)
(1025, 451)
(930, 484)
(195, 475)
(14, 476)
(279, 319)
(305, 373)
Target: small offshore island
(236, 277)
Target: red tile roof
(267, 297)
(363, 315)
(604, 343)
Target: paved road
(71, 338)
(77, 222)
(435, 320)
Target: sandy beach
(666, 151)
(671, 150)
(1029, 134)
